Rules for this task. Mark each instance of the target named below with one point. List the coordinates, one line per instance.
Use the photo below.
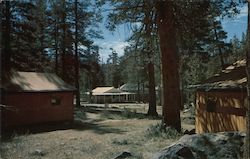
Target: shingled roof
(105, 90)
(34, 82)
(233, 77)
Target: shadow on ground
(9, 133)
(80, 124)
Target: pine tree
(142, 12)
(113, 77)
(76, 56)
(169, 60)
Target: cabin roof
(103, 90)
(232, 77)
(34, 82)
(129, 87)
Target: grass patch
(130, 114)
(106, 114)
(125, 113)
(160, 131)
(120, 142)
(13, 144)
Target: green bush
(161, 131)
(80, 115)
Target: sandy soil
(92, 136)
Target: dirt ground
(98, 132)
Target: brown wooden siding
(228, 112)
(32, 108)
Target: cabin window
(55, 101)
(211, 105)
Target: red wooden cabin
(30, 98)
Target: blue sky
(117, 39)
(236, 25)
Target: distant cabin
(221, 101)
(111, 95)
(30, 98)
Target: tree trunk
(152, 97)
(64, 30)
(169, 60)
(138, 92)
(219, 47)
(42, 55)
(56, 47)
(247, 147)
(150, 53)
(6, 58)
(76, 59)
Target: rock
(175, 151)
(185, 152)
(123, 155)
(211, 145)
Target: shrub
(80, 115)
(161, 131)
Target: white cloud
(117, 46)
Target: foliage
(195, 68)
(80, 114)
(112, 70)
(195, 35)
(42, 37)
(160, 131)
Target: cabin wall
(220, 111)
(32, 108)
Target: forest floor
(98, 132)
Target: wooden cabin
(111, 95)
(30, 98)
(221, 101)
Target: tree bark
(76, 58)
(152, 97)
(150, 53)
(6, 58)
(169, 60)
(219, 47)
(64, 30)
(56, 47)
(138, 92)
